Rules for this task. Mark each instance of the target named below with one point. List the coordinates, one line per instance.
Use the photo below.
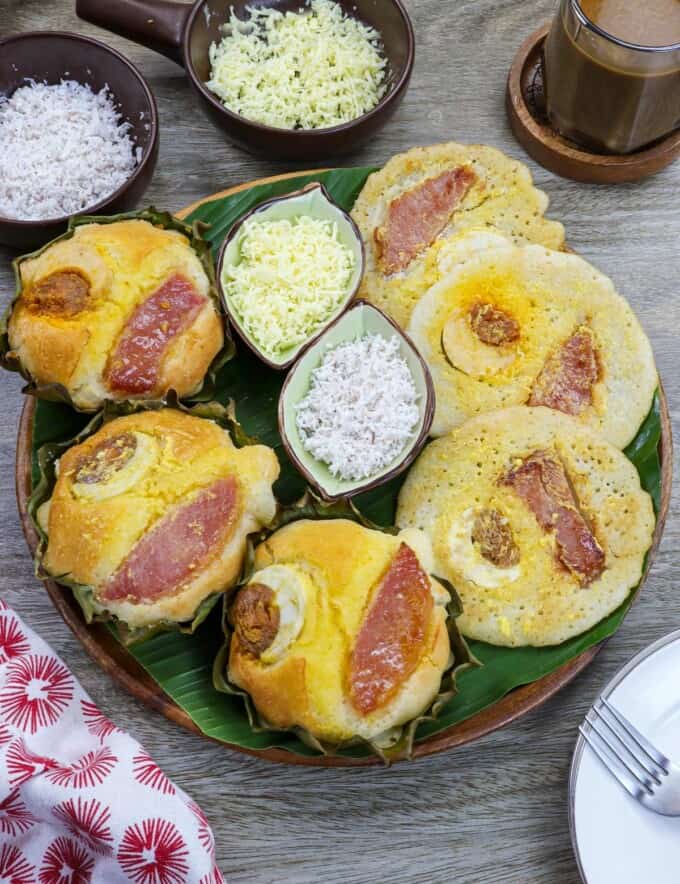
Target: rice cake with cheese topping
(569, 532)
(421, 198)
(340, 630)
(512, 325)
(152, 514)
(121, 310)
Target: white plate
(615, 839)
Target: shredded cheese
(361, 409)
(291, 277)
(298, 70)
(63, 148)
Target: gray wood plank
(492, 812)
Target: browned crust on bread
(331, 554)
(89, 538)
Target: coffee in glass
(612, 72)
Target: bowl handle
(158, 24)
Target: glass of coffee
(612, 72)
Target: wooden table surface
(492, 812)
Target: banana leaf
(194, 232)
(182, 665)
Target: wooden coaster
(525, 103)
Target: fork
(643, 771)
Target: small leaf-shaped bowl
(361, 319)
(314, 201)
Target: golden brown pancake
(510, 325)
(539, 523)
(422, 198)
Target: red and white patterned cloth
(80, 800)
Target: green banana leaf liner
(47, 458)
(194, 233)
(400, 744)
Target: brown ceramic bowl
(184, 32)
(50, 56)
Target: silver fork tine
(644, 781)
(642, 741)
(630, 783)
(628, 743)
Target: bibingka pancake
(151, 513)
(421, 198)
(340, 630)
(119, 310)
(510, 325)
(539, 523)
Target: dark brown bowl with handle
(50, 56)
(184, 32)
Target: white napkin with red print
(80, 800)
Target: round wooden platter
(526, 112)
(113, 658)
